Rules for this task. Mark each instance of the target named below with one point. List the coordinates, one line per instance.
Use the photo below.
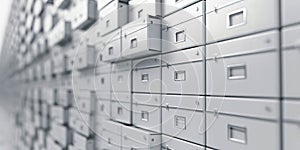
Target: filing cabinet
(146, 117)
(291, 124)
(80, 122)
(169, 7)
(112, 49)
(113, 16)
(176, 144)
(60, 34)
(134, 138)
(228, 19)
(231, 123)
(142, 8)
(290, 57)
(111, 137)
(188, 31)
(121, 112)
(85, 58)
(289, 12)
(141, 37)
(84, 13)
(59, 114)
(62, 3)
(235, 69)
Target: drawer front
(103, 95)
(121, 97)
(229, 75)
(146, 99)
(121, 81)
(184, 124)
(122, 66)
(83, 14)
(59, 114)
(113, 16)
(84, 105)
(176, 144)
(169, 7)
(264, 108)
(153, 61)
(227, 19)
(134, 138)
(110, 141)
(103, 82)
(85, 59)
(291, 110)
(185, 102)
(241, 133)
(291, 136)
(146, 117)
(183, 78)
(147, 80)
(121, 112)
(103, 108)
(112, 50)
(142, 8)
(289, 9)
(291, 81)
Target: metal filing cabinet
(113, 16)
(291, 128)
(141, 37)
(182, 72)
(236, 69)
(111, 136)
(186, 120)
(142, 8)
(232, 123)
(121, 77)
(185, 32)
(230, 18)
(134, 138)
(291, 55)
(112, 49)
(121, 112)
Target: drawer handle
(180, 36)
(120, 78)
(236, 18)
(236, 72)
(140, 13)
(179, 76)
(133, 43)
(120, 110)
(144, 116)
(145, 77)
(111, 50)
(237, 134)
(180, 122)
(102, 80)
(107, 23)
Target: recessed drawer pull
(237, 134)
(235, 72)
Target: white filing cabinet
(60, 33)
(232, 123)
(121, 77)
(141, 37)
(134, 138)
(111, 137)
(291, 124)
(188, 31)
(291, 55)
(121, 112)
(86, 57)
(233, 18)
(113, 16)
(237, 66)
(142, 8)
(83, 13)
